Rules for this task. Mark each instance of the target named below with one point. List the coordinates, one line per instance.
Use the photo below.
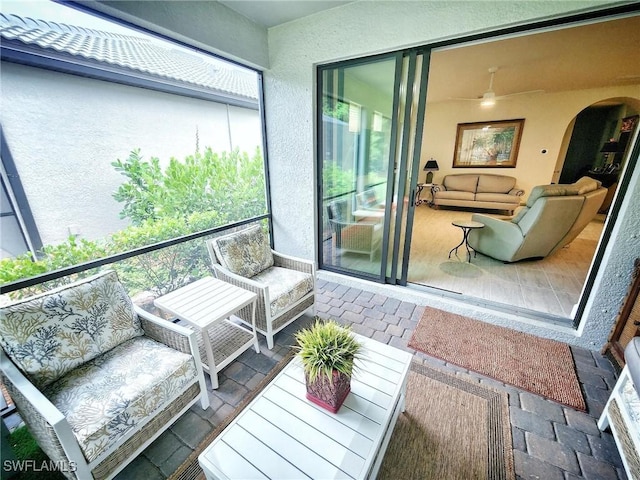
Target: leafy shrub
(167, 269)
(50, 258)
(205, 191)
(230, 183)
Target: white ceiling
(597, 55)
(593, 55)
(270, 13)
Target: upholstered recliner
(285, 285)
(95, 378)
(352, 236)
(553, 216)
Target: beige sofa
(478, 190)
(553, 216)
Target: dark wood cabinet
(627, 323)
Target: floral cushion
(245, 253)
(285, 287)
(51, 334)
(107, 398)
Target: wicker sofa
(94, 378)
(479, 191)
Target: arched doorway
(598, 141)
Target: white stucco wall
(364, 28)
(369, 27)
(547, 118)
(64, 131)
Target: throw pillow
(50, 334)
(245, 253)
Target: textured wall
(362, 28)
(64, 131)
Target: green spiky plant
(327, 346)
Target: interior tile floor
(550, 441)
(551, 285)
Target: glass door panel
(355, 151)
(413, 84)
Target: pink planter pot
(329, 394)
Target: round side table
(466, 227)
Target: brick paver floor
(550, 441)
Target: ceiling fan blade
(519, 93)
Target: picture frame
(488, 144)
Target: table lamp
(430, 167)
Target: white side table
(206, 305)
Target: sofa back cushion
(495, 183)
(461, 183)
(245, 253)
(50, 334)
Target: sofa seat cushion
(498, 198)
(245, 253)
(50, 334)
(108, 397)
(463, 182)
(286, 287)
(495, 184)
(455, 195)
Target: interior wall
(547, 117)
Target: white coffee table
(206, 305)
(281, 434)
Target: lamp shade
(611, 146)
(431, 166)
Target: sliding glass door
(369, 123)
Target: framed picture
(488, 144)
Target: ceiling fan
(488, 98)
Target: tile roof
(128, 52)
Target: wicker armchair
(95, 378)
(285, 285)
(357, 237)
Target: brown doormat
(539, 365)
(451, 429)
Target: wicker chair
(349, 236)
(95, 378)
(285, 285)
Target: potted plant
(327, 351)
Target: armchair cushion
(50, 334)
(245, 253)
(286, 287)
(367, 200)
(106, 398)
(580, 187)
